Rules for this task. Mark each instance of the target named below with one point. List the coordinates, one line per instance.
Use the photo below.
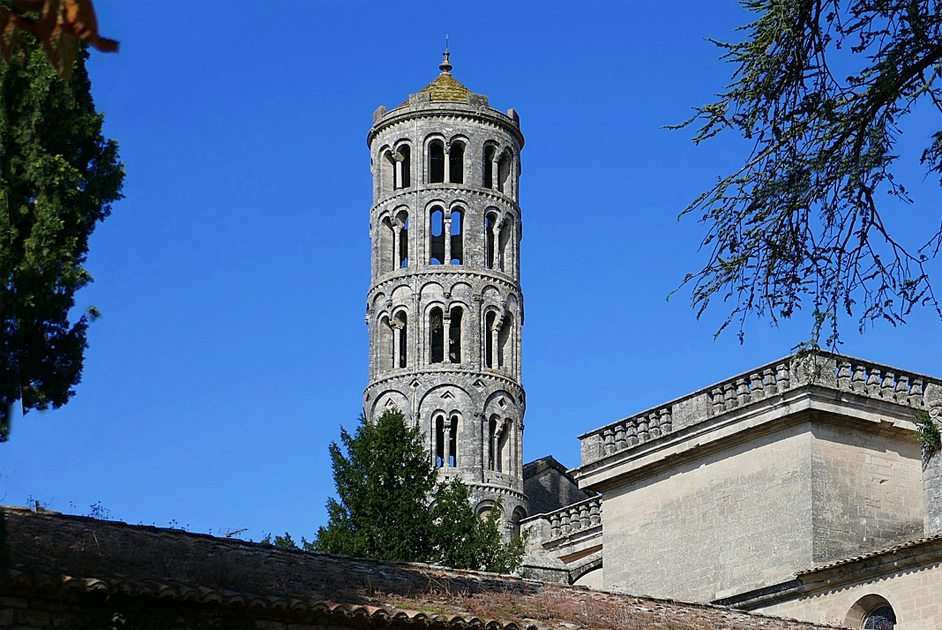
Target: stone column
(446, 233)
(932, 467)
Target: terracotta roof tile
(68, 554)
(446, 89)
(903, 546)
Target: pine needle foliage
(58, 179)
(821, 89)
(391, 506)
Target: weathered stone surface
(445, 309)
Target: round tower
(444, 307)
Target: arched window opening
(436, 333)
(490, 324)
(505, 343)
(452, 442)
(489, 153)
(456, 163)
(436, 236)
(403, 166)
(880, 618)
(495, 428)
(457, 245)
(504, 447)
(402, 238)
(518, 515)
(388, 166)
(386, 250)
(505, 245)
(454, 335)
(439, 441)
(503, 173)
(436, 162)
(871, 612)
(490, 227)
(401, 341)
(446, 441)
(385, 344)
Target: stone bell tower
(444, 307)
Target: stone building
(445, 308)
(798, 488)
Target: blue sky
(232, 278)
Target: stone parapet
(822, 369)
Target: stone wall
(754, 511)
(736, 519)
(867, 491)
(914, 594)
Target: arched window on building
(385, 344)
(518, 515)
(386, 245)
(454, 335)
(456, 163)
(494, 429)
(504, 172)
(505, 340)
(499, 446)
(505, 246)
(490, 153)
(388, 174)
(505, 448)
(400, 326)
(457, 239)
(402, 240)
(436, 335)
(436, 240)
(490, 238)
(446, 440)
(403, 157)
(490, 324)
(880, 618)
(871, 612)
(436, 162)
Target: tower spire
(446, 65)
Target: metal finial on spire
(446, 65)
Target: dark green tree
(390, 505)
(820, 88)
(58, 179)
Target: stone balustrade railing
(823, 369)
(635, 430)
(573, 518)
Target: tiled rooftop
(82, 555)
(446, 89)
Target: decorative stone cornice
(443, 273)
(823, 370)
(447, 112)
(396, 198)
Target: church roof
(446, 89)
(73, 558)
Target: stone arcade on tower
(444, 308)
